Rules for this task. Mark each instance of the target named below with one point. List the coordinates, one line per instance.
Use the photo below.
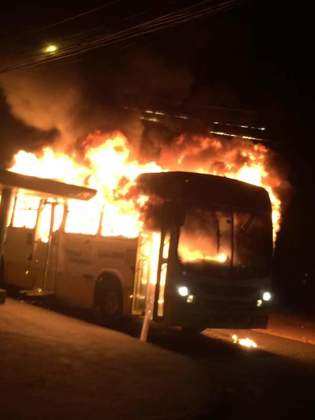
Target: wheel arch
(107, 275)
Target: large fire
(108, 163)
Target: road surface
(53, 365)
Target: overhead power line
(78, 16)
(81, 45)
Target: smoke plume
(63, 103)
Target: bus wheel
(109, 302)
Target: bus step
(36, 294)
(3, 295)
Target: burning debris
(244, 342)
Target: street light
(267, 296)
(51, 49)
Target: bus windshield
(205, 238)
(206, 241)
(252, 243)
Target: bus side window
(25, 211)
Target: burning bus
(202, 257)
(212, 241)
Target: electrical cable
(156, 24)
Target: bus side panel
(75, 272)
(82, 258)
(17, 257)
(118, 256)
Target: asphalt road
(276, 380)
(53, 365)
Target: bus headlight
(267, 296)
(183, 291)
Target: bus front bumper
(201, 316)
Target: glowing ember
(107, 164)
(244, 342)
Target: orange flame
(244, 342)
(108, 165)
(189, 255)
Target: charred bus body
(202, 260)
(215, 236)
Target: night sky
(257, 56)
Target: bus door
(151, 274)
(146, 272)
(153, 290)
(19, 240)
(165, 297)
(45, 245)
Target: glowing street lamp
(51, 49)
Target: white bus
(203, 258)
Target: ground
(54, 365)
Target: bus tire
(108, 303)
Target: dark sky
(257, 56)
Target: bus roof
(43, 186)
(208, 190)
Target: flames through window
(218, 239)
